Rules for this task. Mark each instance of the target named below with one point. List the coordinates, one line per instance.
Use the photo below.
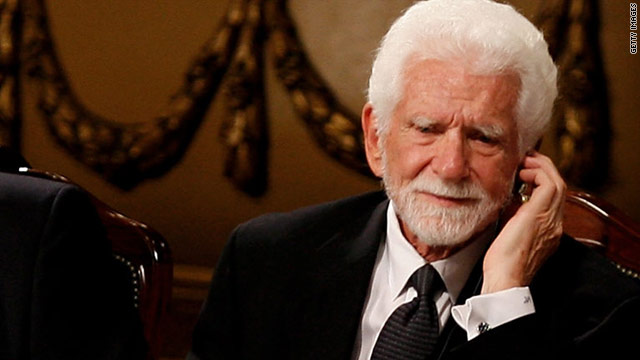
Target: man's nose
(451, 160)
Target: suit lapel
(333, 295)
(332, 300)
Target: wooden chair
(597, 223)
(146, 257)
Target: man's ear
(372, 143)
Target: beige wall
(125, 58)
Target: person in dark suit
(448, 263)
(62, 295)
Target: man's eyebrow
(423, 121)
(493, 131)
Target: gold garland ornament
(244, 129)
(10, 26)
(581, 115)
(127, 153)
(335, 129)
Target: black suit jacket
(61, 293)
(293, 286)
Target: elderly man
(449, 266)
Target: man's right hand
(532, 234)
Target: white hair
(487, 38)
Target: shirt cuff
(483, 312)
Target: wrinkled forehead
(429, 80)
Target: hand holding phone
(531, 229)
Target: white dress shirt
(395, 263)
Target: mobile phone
(519, 195)
(521, 190)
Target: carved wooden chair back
(597, 223)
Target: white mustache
(435, 186)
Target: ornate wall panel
(232, 60)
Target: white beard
(442, 226)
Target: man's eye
(485, 139)
(428, 128)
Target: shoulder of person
(36, 198)
(21, 187)
(30, 205)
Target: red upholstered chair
(146, 256)
(597, 223)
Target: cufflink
(483, 327)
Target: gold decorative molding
(334, 127)
(126, 154)
(581, 115)
(244, 130)
(10, 33)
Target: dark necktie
(411, 332)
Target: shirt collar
(403, 260)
